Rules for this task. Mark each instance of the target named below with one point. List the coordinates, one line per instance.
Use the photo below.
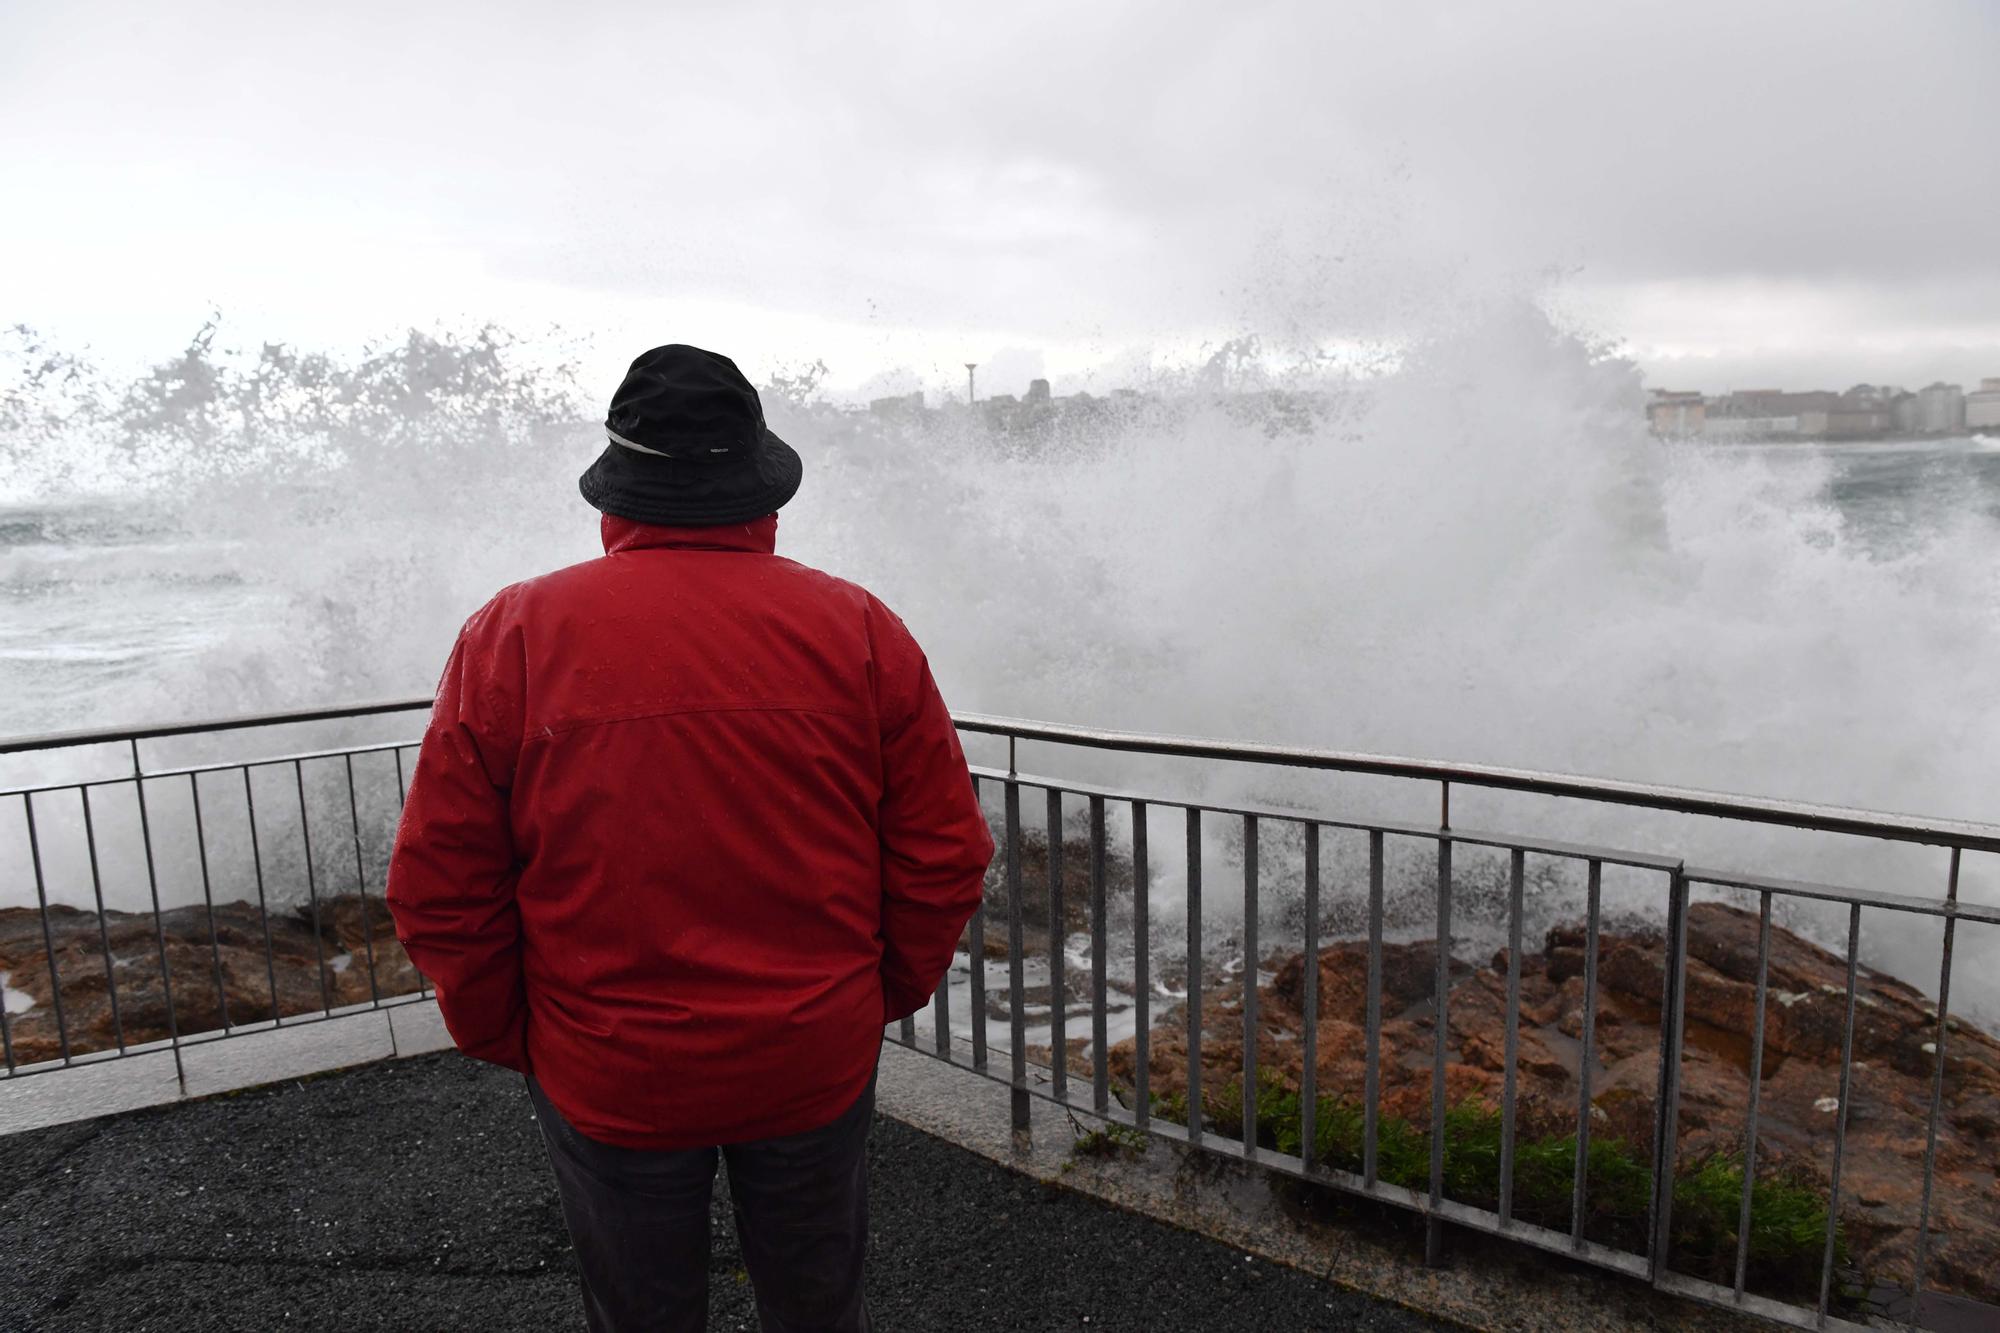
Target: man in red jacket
(690, 825)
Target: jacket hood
(758, 536)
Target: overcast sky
(1783, 193)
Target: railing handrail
(59, 740)
(1967, 834)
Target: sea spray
(1471, 551)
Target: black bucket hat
(689, 447)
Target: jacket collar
(758, 536)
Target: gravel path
(414, 1195)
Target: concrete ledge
(418, 1029)
(247, 1058)
(85, 1091)
(276, 1054)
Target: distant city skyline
(1860, 412)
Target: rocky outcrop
(216, 962)
(1895, 1037)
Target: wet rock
(1075, 864)
(1886, 1107)
(232, 966)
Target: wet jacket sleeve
(935, 842)
(453, 872)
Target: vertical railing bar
(1756, 1092)
(7, 1037)
(159, 926)
(976, 1001)
(1433, 1224)
(1580, 1182)
(103, 929)
(906, 1031)
(423, 982)
(208, 901)
(1937, 1080)
(1309, 1071)
(1016, 946)
(361, 884)
(312, 885)
(1250, 986)
(1840, 1121)
(941, 1016)
(1142, 979)
(1667, 1103)
(977, 960)
(1194, 966)
(1058, 945)
(1100, 1022)
(48, 940)
(1371, 1073)
(263, 907)
(1516, 891)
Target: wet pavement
(413, 1195)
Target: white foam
(15, 1001)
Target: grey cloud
(1121, 170)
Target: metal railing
(1084, 1082)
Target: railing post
(1937, 1077)
(1058, 981)
(1309, 1071)
(1441, 1020)
(1586, 1057)
(1142, 980)
(159, 927)
(1016, 982)
(1250, 986)
(1194, 965)
(1667, 1103)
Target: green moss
(1113, 1140)
(1788, 1212)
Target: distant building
(1735, 429)
(1038, 391)
(1982, 405)
(1860, 414)
(1906, 414)
(1676, 413)
(1772, 403)
(1864, 412)
(1940, 409)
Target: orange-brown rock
(216, 967)
(1887, 1108)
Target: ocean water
(1478, 555)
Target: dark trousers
(639, 1222)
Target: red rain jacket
(689, 826)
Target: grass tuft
(1788, 1211)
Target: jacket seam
(762, 706)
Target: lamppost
(970, 396)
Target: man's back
(689, 825)
(713, 762)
